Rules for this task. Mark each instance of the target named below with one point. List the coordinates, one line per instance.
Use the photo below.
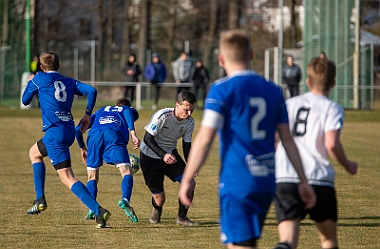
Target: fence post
(24, 83)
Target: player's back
(56, 94)
(110, 117)
(310, 117)
(252, 108)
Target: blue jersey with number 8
(56, 94)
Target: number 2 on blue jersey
(261, 106)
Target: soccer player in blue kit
(107, 140)
(56, 94)
(247, 110)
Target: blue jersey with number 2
(252, 108)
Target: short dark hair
(186, 96)
(123, 101)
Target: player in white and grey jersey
(316, 123)
(159, 156)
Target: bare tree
(233, 14)
(125, 47)
(4, 35)
(210, 37)
(144, 30)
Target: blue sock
(82, 193)
(126, 187)
(39, 175)
(92, 187)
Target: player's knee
(282, 246)
(34, 154)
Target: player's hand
(307, 194)
(84, 123)
(31, 77)
(170, 158)
(186, 192)
(84, 154)
(195, 175)
(136, 142)
(352, 167)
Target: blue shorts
(57, 141)
(242, 217)
(107, 145)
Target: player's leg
(95, 150)
(288, 233)
(126, 191)
(59, 153)
(175, 172)
(92, 186)
(327, 234)
(36, 154)
(153, 172)
(290, 210)
(325, 215)
(242, 217)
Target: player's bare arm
(305, 190)
(198, 154)
(335, 149)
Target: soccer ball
(135, 163)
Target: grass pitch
(62, 225)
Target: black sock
(182, 210)
(159, 208)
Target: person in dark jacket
(291, 74)
(131, 71)
(155, 72)
(199, 76)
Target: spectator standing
(199, 77)
(155, 72)
(181, 71)
(131, 71)
(291, 74)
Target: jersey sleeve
(155, 124)
(215, 107)
(335, 118)
(187, 137)
(128, 116)
(30, 90)
(90, 92)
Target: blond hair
(235, 45)
(321, 73)
(49, 61)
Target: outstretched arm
(305, 190)
(197, 156)
(335, 149)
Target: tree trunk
(143, 32)
(171, 31)
(293, 25)
(125, 51)
(4, 35)
(233, 14)
(109, 39)
(207, 48)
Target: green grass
(62, 225)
